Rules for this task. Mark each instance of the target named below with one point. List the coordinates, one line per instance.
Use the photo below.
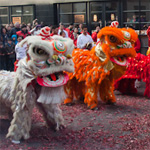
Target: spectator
(84, 40)
(133, 18)
(61, 28)
(133, 21)
(2, 57)
(14, 39)
(4, 36)
(82, 31)
(62, 33)
(70, 30)
(36, 30)
(15, 29)
(11, 25)
(94, 34)
(29, 27)
(20, 52)
(35, 23)
(10, 59)
(8, 27)
(24, 32)
(76, 33)
(54, 30)
(80, 27)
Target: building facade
(135, 13)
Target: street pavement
(124, 126)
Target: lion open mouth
(120, 60)
(53, 80)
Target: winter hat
(23, 26)
(14, 36)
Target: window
(131, 19)
(136, 14)
(24, 14)
(66, 18)
(65, 8)
(28, 10)
(4, 20)
(145, 5)
(72, 12)
(16, 11)
(3, 10)
(96, 6)
(131, 5)
(110, 16)
(79, 7)
(96, 14)
(131, 15)
(111, 12)
(111, 6)
(103, 13)
(4, 15)
(27, 19)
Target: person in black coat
(15, 29)
(3, 36)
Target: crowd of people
(12, 34)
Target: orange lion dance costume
(96, 70)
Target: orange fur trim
(129, 52)
(111, 31)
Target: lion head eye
(112, 39)
(127, 35)
(39, 51)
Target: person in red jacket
(76, 33)
(94, 34)
(70, 30)
(148, 34)
(24, 32)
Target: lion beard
(51, 95)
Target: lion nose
(127, 44)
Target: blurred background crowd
(12, 34)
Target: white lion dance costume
(38, 81)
